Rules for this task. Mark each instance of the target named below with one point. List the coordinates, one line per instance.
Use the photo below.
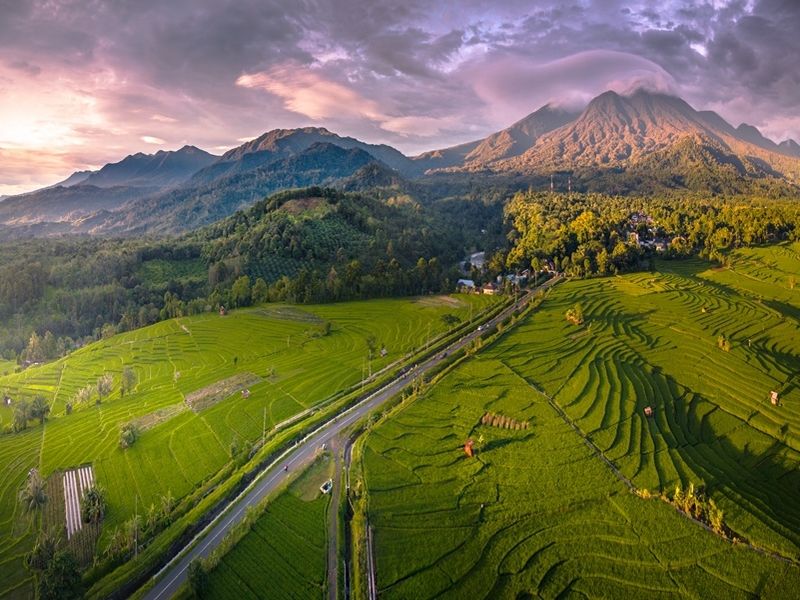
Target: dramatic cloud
(307, 92)
(84, 82)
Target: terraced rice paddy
(538, 513)
(172, 359)
(284, 554)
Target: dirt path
(333, 520)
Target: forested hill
(311, 244)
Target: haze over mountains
(642, 142)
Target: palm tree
(93, 505)
(22, 413)
(40, 409)
(33, 496)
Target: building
(490, 289)
(773, 397)
(465, 285)
(648, 411)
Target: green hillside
(290, 359)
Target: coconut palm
(39, 409)
(93, 505)
(33, 496)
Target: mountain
(76, 178)
(509, 142)
(790, 147)
(198, 204)
(63, 205)
(285, 143)
(159, 170)
(620, 132)
(84, 193)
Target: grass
(538, 513)
(283, 556)
(172, 359)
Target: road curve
(174, 574)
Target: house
(773, 397)
(490, 289)
(648, 411)
(465, 285)
(477, 259)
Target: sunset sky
(83, 83)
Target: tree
(240, 292)
(39, 409)
(128, 434)
(128, 380)
(167, 505)
(33, 496)
(83, 395)
(104, 385)
(43, 551)
(22, 413)
(198, 578)
(93, 505)
(575, 314)
(61, 580)
(260, 292)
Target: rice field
(297, 368)
(283, 556)
(537, 514)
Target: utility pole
(264, 429)
(569, 185)
(136, 525)
(551, 183)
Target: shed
(648, 411)
(245, 393)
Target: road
(174, 574)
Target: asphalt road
(174, 574)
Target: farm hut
(222, 311)
(648, 411)
(6, 400)
(468, 448)
(245, 393)
(773, 397)
(326, 487)
(384, 352)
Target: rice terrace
(371, 300)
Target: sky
(86, 82)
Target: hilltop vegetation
(310, 245)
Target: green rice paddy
(538, 513)
(283, 556)
(297, 367)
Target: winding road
(172, 576)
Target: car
(481, 327)
(443, 355)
